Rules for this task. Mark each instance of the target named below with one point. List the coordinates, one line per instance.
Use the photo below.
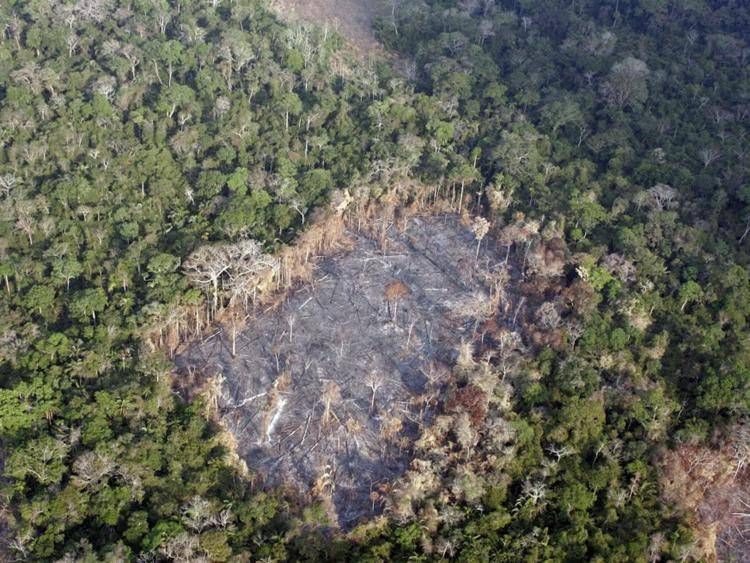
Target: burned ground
(329, 389)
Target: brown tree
(394, 293)
(331, 395)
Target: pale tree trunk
(747, 230)
(215, 283)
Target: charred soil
(328, 390)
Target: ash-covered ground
(330, 390)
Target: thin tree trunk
(747, 230)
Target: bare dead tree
(518, 309)
(331, 395)
(656, 545)
(162, 19)
(746, 231)
(25, 223)
(374, 382)
(740, 448)
(548, 316)
(291, 321)
(198, 514)
(662, 196)
(91, 467)
(182, 547)
(627, 83)
(560, 452)
(242, 269)
(72, 43)
(709, 155)
(497, 278)
(534, 492)
(132, 56)
(204, 268)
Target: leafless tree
(560, 452)
(690, 38)
(331, 395)
(182, 547)
(533, 491)
(548, 316)
(92, 10)
(374, 382)
(7, 183)
(740, 448)
(162, 18)
(25, 221)
(198, 514)
(662, 196)
(620, 267)
(91, 467)
(242, 269)
(340, 201)
(627, 83)
(395, 4)
(21, 543)
(486, 29)
(390, 427)
(72, 43)
(655, 547)
(746, 231)
(497, 279)
(709, 155)
(204, 268)
(132, 56)
(222, 105)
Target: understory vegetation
(606, 144)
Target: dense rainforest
(133, 132)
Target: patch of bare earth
(353, 19)
(328, 390)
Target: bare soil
(329, 390)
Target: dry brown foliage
(712, 486)
(472, 400)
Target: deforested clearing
(353, 19)
(329, 389)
